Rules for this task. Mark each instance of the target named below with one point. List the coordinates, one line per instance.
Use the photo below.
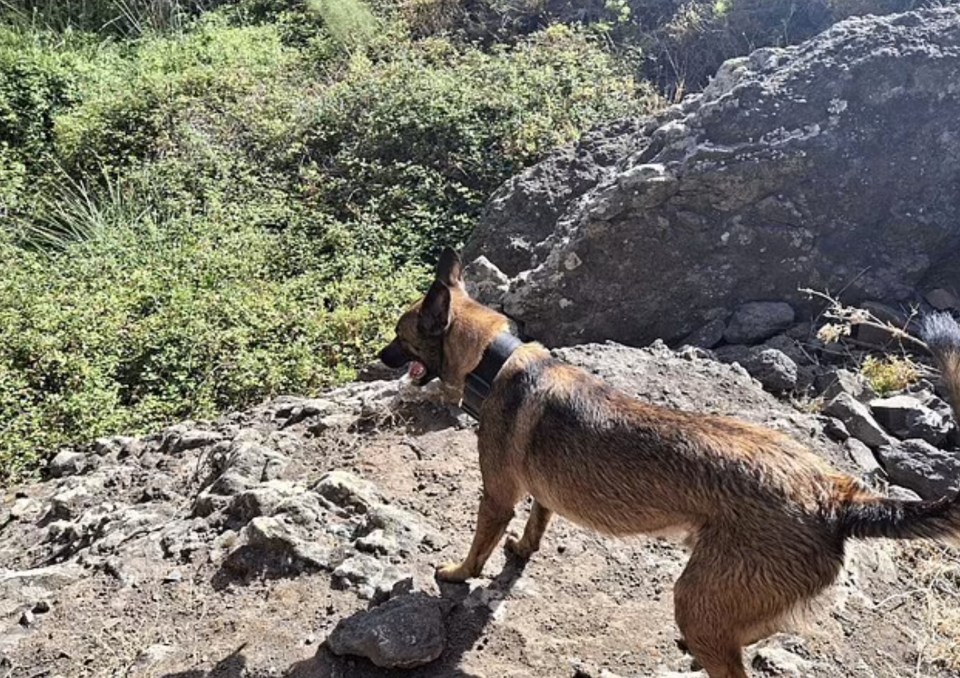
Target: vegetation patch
(205, 212)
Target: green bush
(411, 144)
(36, 83)
(148, 323)
(207, 217)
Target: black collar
(480, 381)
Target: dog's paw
(517, 548)
(453, 572)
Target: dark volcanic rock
(830, 165)
(405, 632)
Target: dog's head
(444, 334)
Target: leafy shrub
(147, 323)
(137, 118)
(410, 145)
(209, 217)
(36, 83)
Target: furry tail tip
(938, 520)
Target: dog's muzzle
(393, 355)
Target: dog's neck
(480, 381)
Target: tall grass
(127, 18)
(349, 22)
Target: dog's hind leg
(532, 533)
(738, 588)
(496, 511)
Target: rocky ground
(299, 539)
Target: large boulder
(833, 165)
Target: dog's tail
(866, 515)
(941, 332)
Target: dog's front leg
(496, 511)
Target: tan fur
(766, 518)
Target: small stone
(916, 464)
(885, 313)
(27, 619)
(377, 542)
(907, 417)
(858, 420)
(775, 661)
(485, 281)
(262, 500)
(835, 429)
(41, 607)
(707, 336)
(834, 381)
(362, 572)
(864, 458)
(758, 320)
(772, 368)
(942, 300)
(67, 463)
(173, 577)
(191, 440)
(348, 491)
(404, 632)
(153, 655)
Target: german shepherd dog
(766, 520)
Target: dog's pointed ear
(434, 316)
(450, 268)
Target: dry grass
(889, 374)
(935, 575)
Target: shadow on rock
(465, 616)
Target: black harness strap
(480, 381)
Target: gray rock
(361, 571)
(733, 353)
(836, 380)
(835, 429)
(70, 503)
(885, 313)
(68, 463)
(902, 493)
(907, 417)
(378, 542)
(758, 320)
(775, 178)
(864, 458)
(403, 633)
(191, 440)
(942, 299)
(153, 656)
(916, 464)
(790, 347)
(348, 491)
(262, 500)
(776, 661)
(272, 536)
(858, 420)
(708, 335)
(485, 280)
(522, 213)
(772, 368)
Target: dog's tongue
(417, 370)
